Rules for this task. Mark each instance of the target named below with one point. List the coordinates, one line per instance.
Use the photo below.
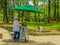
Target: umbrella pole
(22, 15)
(18, 15)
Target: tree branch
(1, 4)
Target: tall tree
(44, 8)
(34, 1)
(4, 6)
(54, 9)
(48, 11)
(57, 10)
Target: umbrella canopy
(27, 7)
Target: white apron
(23, 32)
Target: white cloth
(16, 25)
(23, 32)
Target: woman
(16, 30)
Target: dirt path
(33, 40)
(46, 40)
(7, 39)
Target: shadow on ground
(41, 43)
(10, 42)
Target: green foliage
(1, 17)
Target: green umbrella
(27, 7)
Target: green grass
(34, 25)
(55, 26)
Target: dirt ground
(33, 40)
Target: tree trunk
(3, 16)
(35, 17)
(48, 11)
(35, 6)
(5, 12)
(29, 16)
(44, 9)
(38, 17)
(55, 10)
(12, 15)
